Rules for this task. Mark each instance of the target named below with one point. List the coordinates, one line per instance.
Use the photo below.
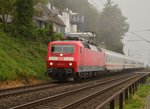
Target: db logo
(60, 58)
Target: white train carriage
(117, 62)
(113, 61)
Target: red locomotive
(73, 59)
(76, 59)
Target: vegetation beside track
(20, 59)
(138, 101)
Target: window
(58, 48)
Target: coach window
(108, 59)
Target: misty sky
(137, 12)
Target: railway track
(32, 88)
(94, 100)
(21, 87)
(20, 96)
(27, 89)
(68, 99)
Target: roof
(48, 15)
(67, 42)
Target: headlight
(51, 63)
(70, 64)
(61, 54)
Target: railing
(123, 94)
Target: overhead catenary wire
(140, 37)
(144, 30)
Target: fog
(137, 12)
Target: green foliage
(20, 60)
(21, 13)
(138, 100)
(1, 26)
(7, 9)
(56, 37)
(24, 17)
(43, 34)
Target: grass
(138, 100)
(20, 59)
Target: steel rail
(116, 94)
(31, 88)
(21, 87)
(83, 100)
(26, 89)
(55, 97)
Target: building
(77, 19)
(64, 21)
(74, 21)
(66, 18)
(44, 15)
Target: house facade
(74, 21)
(45, 15)
(64, 21)
(77, 19)
(66, 18)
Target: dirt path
(148, 102)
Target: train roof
(118, 55)
(66, 42)
(80, 43)
(115, 54)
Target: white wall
(73, 28)
(66, 19)
(56, 28)
(49, 5)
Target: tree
(112, 26)
(24, 17)
(6, 10)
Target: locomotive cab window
(62, 48)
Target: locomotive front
(61, 60)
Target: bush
(1, 26)
(56, 36)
